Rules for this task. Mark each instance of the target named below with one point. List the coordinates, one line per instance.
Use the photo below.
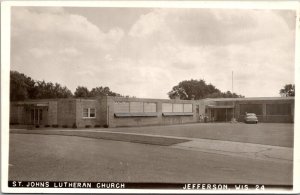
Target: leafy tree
(102, 91)
(20, 86)
(50, 90)
(95, 92)
(288, 90)
(82, 92)
(23, 87)
(198, 89)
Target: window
(85, 112)
(89, 113)
(278, 109)
(134, 107)
(149, 107)
(177, 107)
(121, 107)
(166, 107)
(92, 112)
(251, 108)
(189, 108)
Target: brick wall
(88, 103)
(17, 114)
(66, 112)
(52, 113)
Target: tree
(82, 92)
(198, 89)
(288, 90)
(23, 87)
(20, 86)
(102, 91)
(50, 90)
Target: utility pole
(233, 110)
(232, 82)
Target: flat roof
(220, 106)
(251, 98)
(166, 100)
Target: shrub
(97, 126)
(88, 126)
(47, 125)
(105, 126)
(65, 126)
(37, 126)
(74, 126)
(55, 126)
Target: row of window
(169, 107)
(134, 107)
(141, 107)
(271, 109)
(145, 107)
(148, 107)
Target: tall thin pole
(232, 82)
(233, 110)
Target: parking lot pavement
(70, 158)
(246, 150)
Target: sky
(144, 52)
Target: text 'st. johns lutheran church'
(122, 112)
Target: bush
(97, 126)
(55, 126)
(88, 126)
(47, 125)
(65, 126)
(74, 126)
(105, 126)
(37, 126)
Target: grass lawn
(276, 134)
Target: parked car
(251, 118)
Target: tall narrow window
(92, 112)
(41, 114)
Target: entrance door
(36, 116)
(197, 113)
(224, 114)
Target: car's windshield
(251, 114)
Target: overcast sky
(145, 52)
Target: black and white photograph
(149, 96)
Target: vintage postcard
(149, 97)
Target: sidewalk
(229, 148)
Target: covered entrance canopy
(220, 113)
(36, 113)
